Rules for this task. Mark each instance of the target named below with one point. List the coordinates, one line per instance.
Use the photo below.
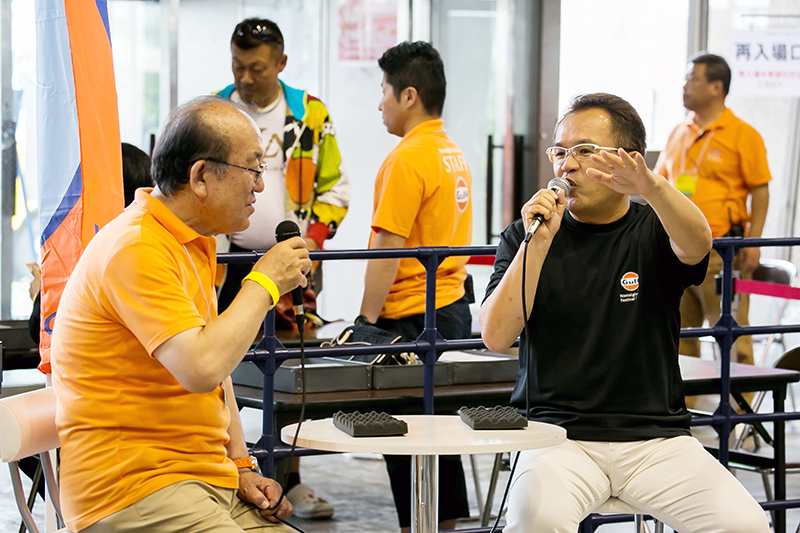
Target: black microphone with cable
(286, 230)
(555, 185)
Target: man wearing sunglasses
(305, 179)
(599, 345)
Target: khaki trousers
(700, 302)
(187, 506)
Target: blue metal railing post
(779, 443)
(268, 367)
(429, 333)
(724, 336)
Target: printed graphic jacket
(317, 185)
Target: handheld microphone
(286, 230)
(555, 185)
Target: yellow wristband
(265, 282)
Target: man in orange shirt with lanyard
(717, 160)
(422, 198)
(150, 433)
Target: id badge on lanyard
(686, 181)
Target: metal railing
(726, 331)
(270, 352)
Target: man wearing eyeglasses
(149, 427)
(599, 344)
(718, 161)
(305, 179)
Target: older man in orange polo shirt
(150, 433)
(718, 161)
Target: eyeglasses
(259, 172)
(260, 32)
(558, 154)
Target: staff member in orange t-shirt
(150, 433)
(422, 198)
(718, 161)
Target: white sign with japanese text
(765, 62)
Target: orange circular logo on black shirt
(630, 281)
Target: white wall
(774, 118)
(204, 55)
(353, 93)
(633, 61)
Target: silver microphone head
(559, 183)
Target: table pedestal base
(424, 505)
(428, 437)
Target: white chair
(28, 427)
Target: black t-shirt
(605, 326)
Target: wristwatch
(361, 320)
(247, 462)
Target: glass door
(473, 38)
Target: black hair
(187, 137)
(135, 171)
(627, 125)
(717, 69)
(417, 65)
(253, 32)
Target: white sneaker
(307, 505)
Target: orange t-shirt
(423, 192)
(127, 428)
(728, 159)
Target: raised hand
(621, 172)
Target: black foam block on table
(498, 417)
(370, 424)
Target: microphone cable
(286, 230)
(525, 243)
(505, 493)
(300, 319)
(559, 183)
(282, 521)
(554, 185)
(526, 331)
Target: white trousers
(675, 480)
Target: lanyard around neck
(200, 281)
(685, 152)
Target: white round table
(428, 437)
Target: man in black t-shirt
(604, 279)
